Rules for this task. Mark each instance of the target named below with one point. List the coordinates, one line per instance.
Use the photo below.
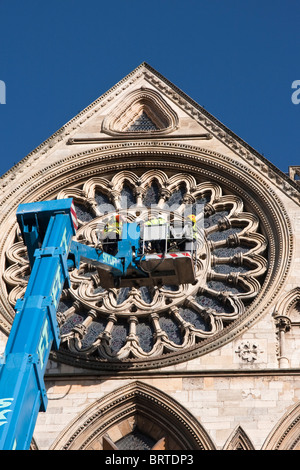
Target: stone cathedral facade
(209, 366)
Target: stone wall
(221, 403)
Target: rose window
(140, 323)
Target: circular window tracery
(139, 323)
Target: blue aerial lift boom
(47, 229)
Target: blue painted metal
(97, 257)
(128, 246)
(47, 228)
(118, 265)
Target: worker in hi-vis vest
(189, 234)
(192, 218)
(157, 245)
(112, 233)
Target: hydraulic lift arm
(48, 228)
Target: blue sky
(237, 58)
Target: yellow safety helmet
(192, 217)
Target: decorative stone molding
(294, 173)
(286, 433)
(136, 405)
(218, 130)
(284, 323)
(104, 327)
(75, 171)
(132, 106)
(238, 441)
(287, 302)
(168, 89)
(248, 351)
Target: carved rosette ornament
(129, 325)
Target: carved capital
(282, 322)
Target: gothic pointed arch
(286, 434)
(286, 315)
(238, 440)
(141, 111)
(287, 303)
(136, 412)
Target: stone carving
(285, 320)
(135, 406)
(248, 351)
(239, 440)
(142, 100)
(285, 435)
(140, 323)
